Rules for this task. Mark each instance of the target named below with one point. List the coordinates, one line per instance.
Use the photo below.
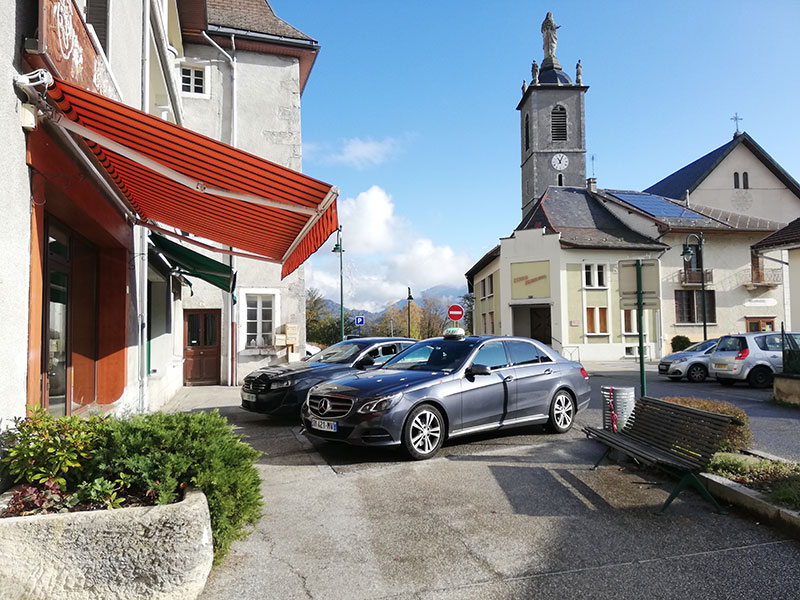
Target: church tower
(553, 136)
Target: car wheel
(675, 377)
(423, 433)
(760, 377)
(696, 374)
(725, 381)
(562, 412)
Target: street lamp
(408, 300)
(338, 248)
(687, 254)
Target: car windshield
(701, 346)
(343, 352)
(732, 344)
(432, 355)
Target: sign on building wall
(67, 51)
(530, 280)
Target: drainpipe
(231, 58)
(141, 272)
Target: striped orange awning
(183, 179)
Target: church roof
(584, 222)
(693, 174)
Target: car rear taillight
(585, 374)
(743, 354)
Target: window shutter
(97, 17)
(558, 124)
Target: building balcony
(692, 277)
(764, 278)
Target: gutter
(263, 37)
(162, 43)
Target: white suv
(751, 357)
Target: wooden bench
(678, 439)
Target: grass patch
(778, 480)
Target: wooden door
(201, 352)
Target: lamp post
(338, 248)
(687, 254)
(408, 300)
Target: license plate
(323, 425)
(720, 366)
(248, 397)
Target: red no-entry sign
(455, 312)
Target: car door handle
(547, 372)
(508, 378)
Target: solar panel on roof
(658, 207)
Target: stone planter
(786, 388)
(153, 553)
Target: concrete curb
(750, 500)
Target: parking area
(514, 515)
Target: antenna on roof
(736, 118)
(593, 175)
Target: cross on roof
(736, 118)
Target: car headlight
(381, 404)
(682, 360)
(277, 384)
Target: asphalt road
(514, 515)
(776, 428)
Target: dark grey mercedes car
(446, 387)
(283, 388)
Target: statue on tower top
(549, 35)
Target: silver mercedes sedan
(443, 388)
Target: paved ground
(519, 515)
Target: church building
(556, 276)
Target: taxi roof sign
(454, 333)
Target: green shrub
(736, 437)
(41, 448)
(96, 462)
(163, 453)
(680, 342)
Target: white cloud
(383, 256)
(361, 154)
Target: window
(483, 288)
(259, 321)
(594, 275)
(597, 320)
(745, 181)
(97, 17)
(770, 343)
(757, 324)
(491, 284)
(483, 319)
(527, 132)
(193, 80)
(689, 304)
(560, 180)
(525, 353)
(491, 323)
(736, 180)
(629, 321)
(492, 355)
(558, 124)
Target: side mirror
(478, 370)
(365, 362)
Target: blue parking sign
(359, 320)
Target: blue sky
(411, 111)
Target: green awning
(193, 264)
